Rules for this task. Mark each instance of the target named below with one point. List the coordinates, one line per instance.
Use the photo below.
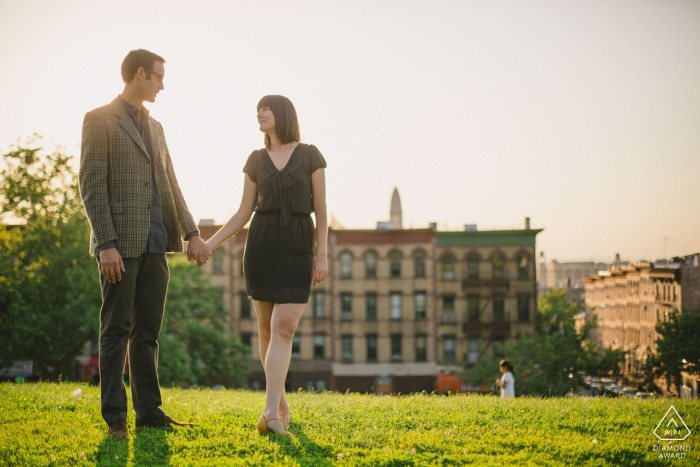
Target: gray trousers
(131, 318)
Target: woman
(284, 183)
(507, 383)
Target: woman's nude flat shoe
(282, 414)
(263, 430)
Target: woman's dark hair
(507, 365)
(137, 59)
(287, 125)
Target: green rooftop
(487, 238)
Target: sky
(583, 116)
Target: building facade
(399, 305)
(630, 301)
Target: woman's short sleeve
(251, 166)
(317, 161)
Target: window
(296, 347)
(448, 310)
(346, 344)
(524, 309)
(372, 348)
(319, 347)
(473, 266)
(419, 303)
(473, 355)
(421, 348)
(523, 267)
(448, 268)
(346, 306)
(419, 265)
(245, 305)
(395, 264)
(396, 347)
(345, 265)
(395, 305)
(219, 298)
(448, 350)
(319, 304)
(473, 308)
(371, 265)
(499, 309)
(371, 306)
(497, 266)
(217, 261)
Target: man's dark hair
(137, 59)
(286, 122)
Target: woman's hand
(320, 269)
(208, 248)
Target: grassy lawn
(44, 424)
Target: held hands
(320, 269)
(198, 251)
(111, 264)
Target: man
(137, 213)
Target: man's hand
(111, 264)
(197, 250)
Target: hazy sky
(584, 116)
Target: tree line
(50, 292)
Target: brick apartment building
(399, 305)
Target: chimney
(470, 227)
(433, 226)
(527, 223)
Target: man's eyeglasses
(160, 77)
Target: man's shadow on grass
(303, 449)
(151, 446)
(113, 452)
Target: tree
(677, 349)
(548, 362)
(197, 345)
(49, 289)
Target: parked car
(615, 390)
(595, 387)
(608, 383)
(643, 395)
(629, 392)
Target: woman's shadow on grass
(303, 449)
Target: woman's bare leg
(285, 318)
(263, 310)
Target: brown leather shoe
(118, 430)
(164, 421)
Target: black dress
(279, 251)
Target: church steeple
(395, 218)
(395, 215)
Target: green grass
(43, 424)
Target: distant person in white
(507, 383)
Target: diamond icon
(672, 427)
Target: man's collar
(133, 110)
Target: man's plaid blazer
(115, 183)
